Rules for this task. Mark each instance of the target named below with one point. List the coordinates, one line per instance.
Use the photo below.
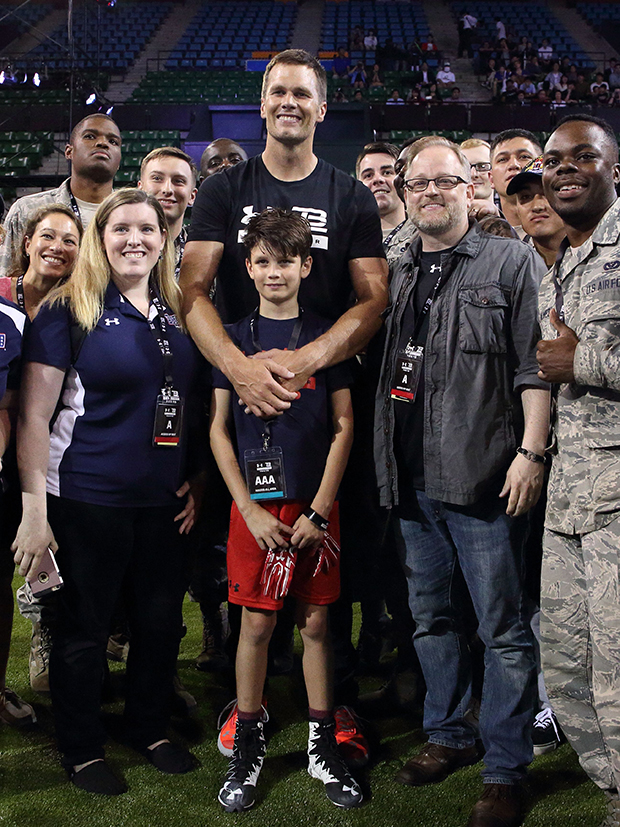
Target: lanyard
(19, 290)
(162, 340)
(74, 205)
(180, 249)
(388, 239)
(427, 306)
(292, 345)
(559, 297)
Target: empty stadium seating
(109, 38)
(21, 152)
(399, 20)
(225, 35)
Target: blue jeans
(488, 546)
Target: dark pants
(102, 550)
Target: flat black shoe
(97, 778)
(171, 759)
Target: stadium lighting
(36, 79)
(91, 99)
(109, 111)
(2, 76)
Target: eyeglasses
(483, 166)
(444, 182)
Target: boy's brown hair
(279, 232)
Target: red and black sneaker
(352, 744)
(226, 737)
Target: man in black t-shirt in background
(349, 276)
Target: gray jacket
(480, 353)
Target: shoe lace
(347, 720)
(546, 718)
(225, 713)
(249, 748)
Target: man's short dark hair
(375, 148)
(81, 123)
(279, 232)
(606, 127)
(298, 57)
(510, 134)
(169, 152)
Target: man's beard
(437, 224)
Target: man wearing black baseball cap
(543, 227)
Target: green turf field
(34, 790)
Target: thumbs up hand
(556, 356)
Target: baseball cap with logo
(532, 172)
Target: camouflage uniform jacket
(400, 241)
(584, 487)
(18, 216)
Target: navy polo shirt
(12, 321)
(101, 449)
(304, 431)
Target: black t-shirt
(409, 416)
(304, 431)
(342, 213)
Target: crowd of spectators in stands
(523, 73)
(515, 70)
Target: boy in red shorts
(283, 475)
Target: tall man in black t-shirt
(458, 393)
(347, 245)
(349, 276)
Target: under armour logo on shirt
(436, 267)
(108, 322)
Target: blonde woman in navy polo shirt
(109, 478)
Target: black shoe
(171, 759)
(326, 764)
(97, 778)
(546, 732)
(238, 792)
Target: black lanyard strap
(180, 249)
(292, 345)
(559, 296)
(19, 290)
(425, 310)
(293, 341)
(74, 205)
(388, 239)
(162, 340)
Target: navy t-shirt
(342, 213)
(12, 321)
(304, 431)
(101, 449)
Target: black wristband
(316, 519)
(531, 455)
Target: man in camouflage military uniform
(580, 318)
